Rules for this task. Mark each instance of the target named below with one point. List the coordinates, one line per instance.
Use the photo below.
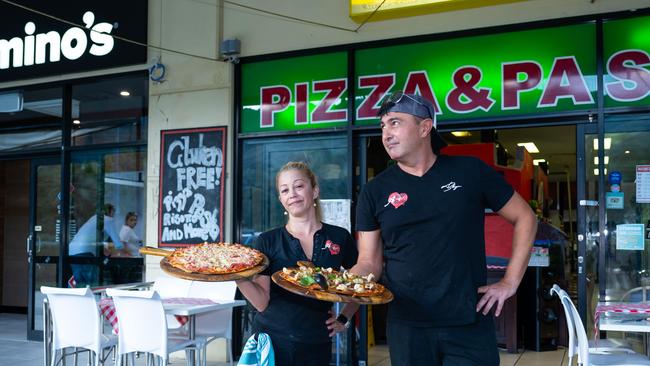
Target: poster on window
(643, 184)
(630, 237)
(192, 169)
(337, 212)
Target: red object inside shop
(522, 175)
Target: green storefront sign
(627, 54)
(527, 72)
(297, 93)
(539, 71)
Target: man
(421, 223)
(86, 244)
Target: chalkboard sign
(192, 169)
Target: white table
(625, 323)
(622, 316)
(625, 320)
(188, 310)
(192, 310)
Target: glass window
(328, 156)
(107, 223)
(627, 205)
(109, 111)
(30, 119)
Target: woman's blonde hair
(304, 169)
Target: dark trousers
(289, 353)
(466, 345)
(85, 274)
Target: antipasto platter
(327, 284)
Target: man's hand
(495, 293)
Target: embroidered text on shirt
(450, 186)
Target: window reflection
(262, 158)
(30, 119)
(106, 187)
(627, 268)
(106, 114)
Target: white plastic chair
(143, 325)
(169, 287)
(609, 345)
(76, 322)
(632, 295)
(215, 324)
(585, 357)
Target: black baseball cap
(415, 105)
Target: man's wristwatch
(344, 320)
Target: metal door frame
(582, 130)
(31, 258)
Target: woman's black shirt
(291, 316)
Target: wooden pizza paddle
(177, 272)
(155, 251)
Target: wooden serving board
(384, 298)
(173, 271)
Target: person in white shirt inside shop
(86, 244)
(129, 236)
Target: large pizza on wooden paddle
(340, 282)
(215, 258)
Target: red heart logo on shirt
(333, 247)
(397, 199)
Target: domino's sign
(34, 48)
(49, 38)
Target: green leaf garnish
(307, 280)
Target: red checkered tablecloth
(621, 307)
(107, 308)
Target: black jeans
(85, 274)
(466, 345)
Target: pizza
(215, 258)
(340, 282)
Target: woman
(128, 235)
(299, 327)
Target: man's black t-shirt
(291, 316)
(432, 232)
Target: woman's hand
(334, 326)
(256, 290)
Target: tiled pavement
(378, 356)
(15, 350)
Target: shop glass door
(619, 269)
(43, 242)
(329, 158)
